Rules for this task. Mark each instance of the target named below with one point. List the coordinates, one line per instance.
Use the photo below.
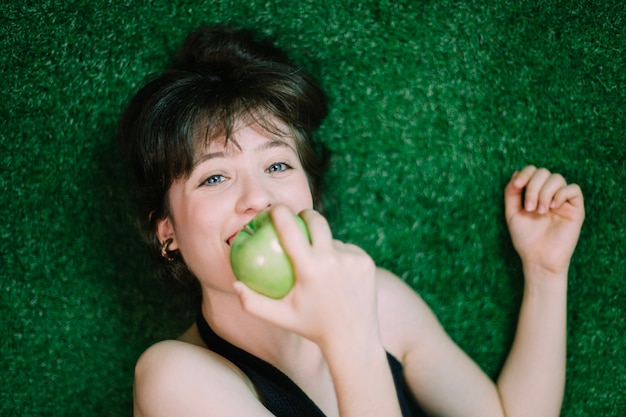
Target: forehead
(241, 132)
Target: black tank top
(279, 393)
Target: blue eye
(214, 180)
(278, 167)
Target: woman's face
(228, 186)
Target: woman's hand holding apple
(334, 298)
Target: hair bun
(222, 46)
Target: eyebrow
(270, 144)
(275, 143)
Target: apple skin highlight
(259, 260)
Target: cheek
(197, 229)
(299, 197)
(202, 248)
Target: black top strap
(279, 393)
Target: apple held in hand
(258, 259)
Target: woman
(225, 134)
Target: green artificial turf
(433, 105)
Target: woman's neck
(284, 349)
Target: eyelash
(285, 165)
(212, 179)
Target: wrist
(533, 271)
(542, 282)
(364, 345)
(351, 359)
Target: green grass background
(433, 105)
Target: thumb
(261, 306)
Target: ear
(165, 230)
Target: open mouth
(246, 228)
(230, 240)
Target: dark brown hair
(221, 76)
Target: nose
(255, 196)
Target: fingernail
(529, 206)
(541, 209)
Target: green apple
(259, 260)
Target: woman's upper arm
(442, 378)
(174, 378)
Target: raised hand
(544, 215)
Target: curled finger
(571, 193)
(534, 187)
(521, 178)
(547, 192)
(289, 232)
(319, 228)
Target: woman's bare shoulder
(175, 377)
(169, 355)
